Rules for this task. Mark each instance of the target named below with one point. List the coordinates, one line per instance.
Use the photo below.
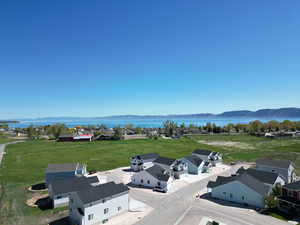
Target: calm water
(144, 122)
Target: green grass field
(24, 163)
(4, 140)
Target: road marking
(182, 216)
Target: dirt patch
(240, 145)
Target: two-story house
(289, 201)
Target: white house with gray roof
(195, 164)
(153, 177)
(144, 161)
(207, 155)
(60, 190)
(63, 171)
(166, 163)
(95, 205)
(242, 189)
(283, 167)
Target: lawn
(4, 140)
(24, 163)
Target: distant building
(141, 162)
(60, 190)
(83, 137)
(66, 137)
(284, 168)
(63, 171)
(95, 205)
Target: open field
(4, 140)
(24, 163)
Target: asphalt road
(181, 208)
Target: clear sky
(97, 58)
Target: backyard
(24, 163)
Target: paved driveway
(181, 208)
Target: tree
(271, 202)
(57, 129)
(170, 127)
(30, 132)
(276, 190)
(118, 133)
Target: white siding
(143, 178)
(239, 193)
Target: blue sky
(96, 58)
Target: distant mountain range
(262, 113)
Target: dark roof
(293, 186)
(214, 153)
(158, 172)
(66, 135)
(274, 163)
(206, 163)
(164, 161)
(245, 179)
(194, 160)
(74, 184)
(147, 156)
(66, 167)
(96, 193)
(263, 176)
(202, 152)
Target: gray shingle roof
(202, 152)
(147, 156)
(60, 187)
(96, 193)
(293, 186)
(158, 172)
(164, 161)
(194, 160)
(66, 167)
(274, 163)
(245, 179)
(263, 176)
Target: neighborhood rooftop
(194, 160)
(164, 161)
(202, 152)
(96, 193)
(147, 156)
(274, 163)
(293, 186)
(263, 176)
(245, 179)
(73, 184)
(66, 167)
(158, 172)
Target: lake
(149, 123)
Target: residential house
(283, 167)
(66, 137)
(83, 137)
(63, 171)
(195, 164)
(166, 163)
(60, 190)
(141, 162)
(97, 204)
(268, 178)
(213, 157)
(153, 177)
(289, 201)
(242, 189)
(180, 169)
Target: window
(158, 183)
(105, 210)
(148, 181)
(58, 197)
(142, 181)
(230, 195)
(119, 208)
(224, 193)
(90, 217)
(243, 197)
